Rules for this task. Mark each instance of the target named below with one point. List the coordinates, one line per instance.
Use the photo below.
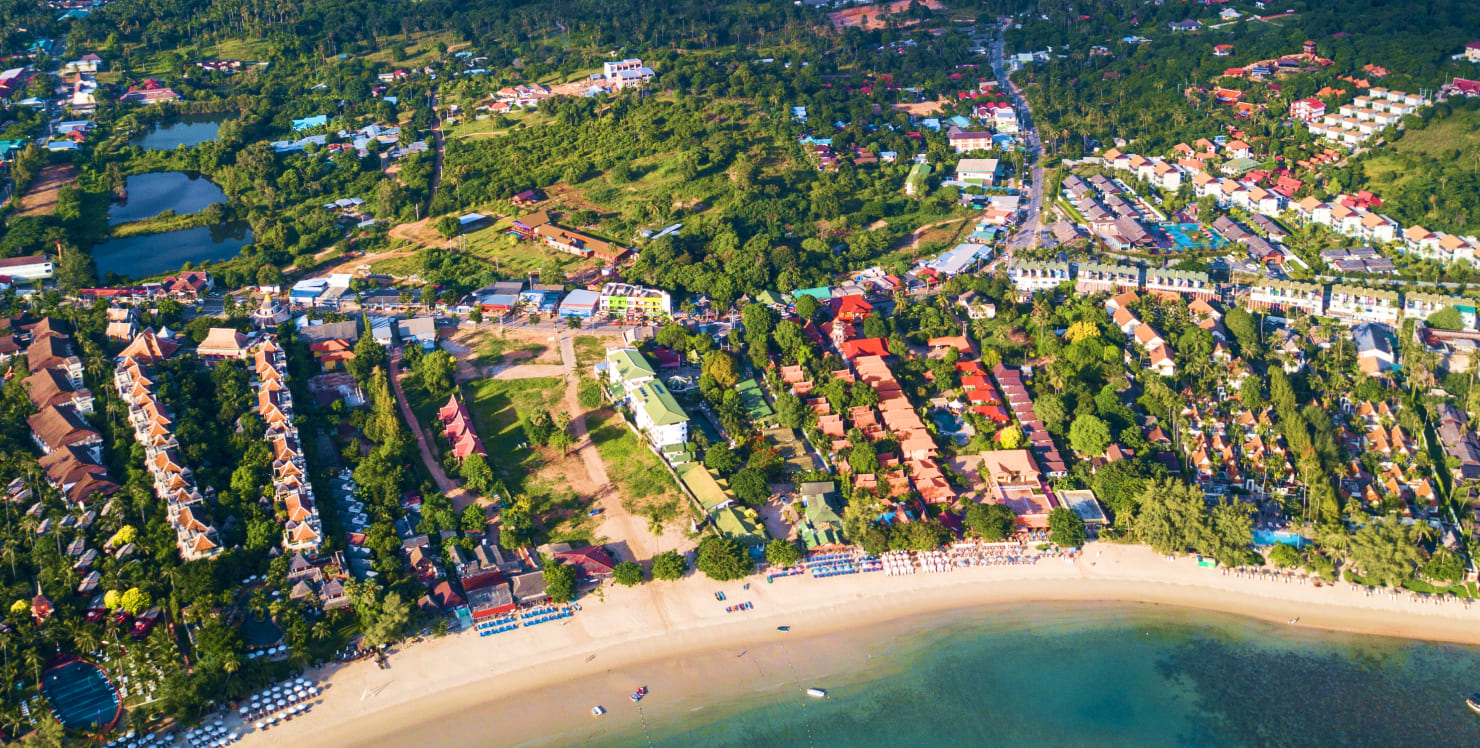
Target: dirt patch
(923, 108)
(41, 199)
(570, 198)
(420, 232)
(871, 17)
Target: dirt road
(459, 496)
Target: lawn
(491, 349)
(589, 350)
(498, 407)
(646, 487)
(515, 258)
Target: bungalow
(983, 170)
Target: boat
(783, 628)
(817, 693)
(1473, 704)
(636, 696)
(598, 710)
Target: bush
(1284, 555)
(627, 574)
(588, 394)
(669, 566)
(990, 522)
(1065, 528)
(560, 582)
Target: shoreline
(667, 632)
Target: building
(1030, 276)
(983, 170)
(964, 141)
(1288, 296)
(659, 415)
(629, 72)
(223, 343)
(1308, 110)
(626, 368)
(627, 300)
(580, 304)
(1356, 304)
(28, 268)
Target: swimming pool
(1189, 235)
(1270, 537)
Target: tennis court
(80, 695)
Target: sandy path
(455, 493)
(644, 635)
(41, 198)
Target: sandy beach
(536, 686)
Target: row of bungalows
(1031, 276)
(303, 530)
(71, 447)
(1155, 171)
(457, 426)
(1142, 334)
(895, 417)
(537, 226)
(1040, 442)
(154, 426)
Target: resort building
(659, 415)
(627, 300)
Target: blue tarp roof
(308, 123)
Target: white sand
(675, 622)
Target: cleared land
(645, 486)
(41, 199)
(871, 17)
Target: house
(223, 343)
(150, 92)
(54, 428)
(1187, 25)
(422, 330)
(627, 368)
(628, 300)
(1374, 343)
(983, 170)
(27, 268)
(1308, 110)
(966, 141)
(1472, 52)
(580, 304)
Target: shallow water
(152, 254)
(187, 131)
(1085, 674)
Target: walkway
(459, 496)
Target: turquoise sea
(1078, 674)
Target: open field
(870, 17)
(41, 198)
(923, 108)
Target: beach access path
(459, 496)
(545, 678)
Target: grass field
(589, 350)
(498, 408)
(646, 487)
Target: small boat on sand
(638, 694)
(598, 710)
(817, 693)
(783, 629)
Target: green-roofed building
(627, 367)
(756, 408)
(771, 299)
(10, 148)
(659, 415)
(812, 539)
(821, 293)
(740, 523)
(702, 484)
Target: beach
(537, 686)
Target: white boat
(1473, 704)
(598, 710)
(817, 693)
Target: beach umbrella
(258, 725)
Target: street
(1027, 233)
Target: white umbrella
(258, 725)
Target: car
(595, 511)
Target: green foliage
(477, 474)
(990, 522)
(1065, 528)
(135, 601)
(721, 458)
(723, 559)
(1089, 435)
(669, 566)
(1285, 555)
(627, 574)
(588, 394)
(749, 486)
(448, 227)
(782, 554)
(1386, 551)
(1447, 318)
(560, 581)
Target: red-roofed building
(851, 308)
(865, 347)
(1308, 110)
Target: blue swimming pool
(1270, 537)
(1189, 235)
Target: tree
(474, 519)
(369, 355)
(1444, 566)
(627, 574)
(135, 601)
(791, 412)
(387, 620)
(875, 327)
(782, 554)
(749, 486)
(1447, 318)
(1089, 435)
(721, 459)
(721, 367)
(1065, 528)
(1386, 552)
(723, 559)
(990, 522)
(435, 371)
(669, 566)
(448, 226)
(1010, 437)
(806, 307)
(1284, 555)
(1172, 516)
(925, 535)
(476, 472)
(560, 582)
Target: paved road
(1027, 233)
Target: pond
(190, 130)
(156, 192)
(152, 254)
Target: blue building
(580, 303)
